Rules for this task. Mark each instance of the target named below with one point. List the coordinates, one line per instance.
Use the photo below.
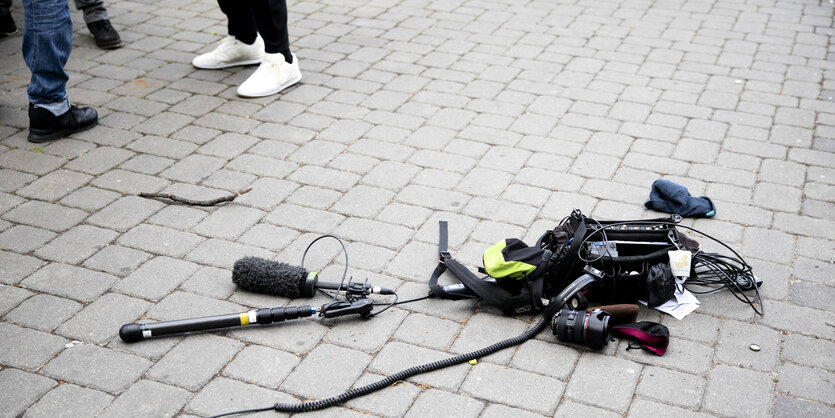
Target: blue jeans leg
(47, 42)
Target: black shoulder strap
(491, 293)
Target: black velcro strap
(490, 292)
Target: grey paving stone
(147, 164)
(485, 329)
(786, 406)
(555, 360)
(177, 217)
(803, 225)
(808, 351)
(751, 397)
(77, 244)
(54, 185)
(210, 281)
(262, 166)
(261, 365)
(11, 180)
(24, 239)
(594, 368)
(228, 221)
(397, 356)
(359, 335)
(814, 270)
(683, 355)
(297, 337)
(193, 168)
(734, 340)
(220, 253)
(497, 410)
(128, 182)
(99, 160)
(223, 395)
(805, 382)
(156, 278)
(266, 193)
(427, 331)
(45, 215)
(671, 387)
(645, 408)
(148, 398)
(125, 213)
(42, 311)
(100, 321)
(190, 365)
(271, 237)
(70, 401)
(11, 296)
(780, 245)
(74, 282)
(363, 201)
(27, 348)
(324, 177)
(228, 145)
(160, 240)
(30, 162)
(180, 305)
(163, 124)
(229, 180)
(395, 400)
(117, 260)
(484, 379)
(342, 367)
(14, 400)
(89, 198)
(813, 296)
(698, 327)
(782, 314)
(96, 367)
(437, 402)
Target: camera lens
(590, 328)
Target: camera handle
(557, 302)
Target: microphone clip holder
(361, 306)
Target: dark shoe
(45, 127)
(106, 37)
(7, 26)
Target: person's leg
(243, 46)
(93, 10)
(240, 20)
(271, 21)
(47, 42)
(280, 69)
(7, 25)
(95, 16)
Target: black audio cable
(716, 271)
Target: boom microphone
(276, 278)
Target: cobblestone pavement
(499, 117)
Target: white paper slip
(680, 305)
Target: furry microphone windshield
(270, 277)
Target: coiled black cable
(412, 371)
(402, 375)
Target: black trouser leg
(271, 19)
(241, 19)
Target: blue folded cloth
(670, 197)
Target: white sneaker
(271, 77)
(231, 52)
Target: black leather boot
(7, 26)
(104, 34)
(45, 127)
